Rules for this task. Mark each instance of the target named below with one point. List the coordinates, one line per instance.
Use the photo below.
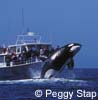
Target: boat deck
(3, 64)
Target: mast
(23, 21)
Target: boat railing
(29, 38)
(19, 62)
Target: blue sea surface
(78, 79)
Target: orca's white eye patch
(70, 45)
(74, 48)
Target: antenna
(22, 20)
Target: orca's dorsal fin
(70, 64)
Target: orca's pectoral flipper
(70, 64)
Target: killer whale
(63, 56)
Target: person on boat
(14, 58)
(20, 59)
(8, 59)
(26, 54)
(41, 51)
(35, 53)
(34, 49)
(4, 50)
(42, 57)
(46, 51)
(1, 49)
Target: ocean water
(83, 80)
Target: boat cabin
(28, 49)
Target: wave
(52, 80)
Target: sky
(65, 21)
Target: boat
(23, 59)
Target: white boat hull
(27, 71)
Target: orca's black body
(62, 56)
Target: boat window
(1, 50)
(1, 59)
(12, 49)
(18, 49)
